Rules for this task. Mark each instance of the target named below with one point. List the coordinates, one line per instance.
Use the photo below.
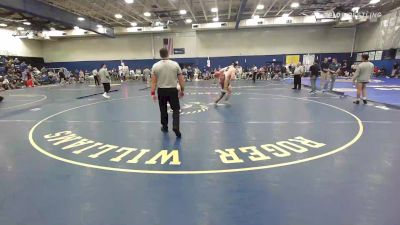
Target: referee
(165, 76)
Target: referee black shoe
(178, 133)
(164, 129)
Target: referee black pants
(169, 95)
(297, 82)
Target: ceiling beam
(287, 3)
(146, 9)
(67, 6)
(239, 15)
(172, 4)
(255, 10)
(270, 7)
(204, 10)
(230, 10)
(190, 9)
(52, 13)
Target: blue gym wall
(387, 64)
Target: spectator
(362, 77)
(105, 80)
(314, 70)
(334, 69)
(324, 75)
(298, 73)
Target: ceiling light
(260, 7)
(20, 28)
(285, 15)
(27, 23)
(99, 26)
(188, 20)
(3, 25)
(374, 1)
(147, 14)
(214, 10)
(76, 28)
(355, 9)
(133, 24)
(295, 5)
(129, 1)
(81, 19)
(182, 12)
(118, 16)
(256, 17)
(215, 19)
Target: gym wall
(264, 41)
(12, 46)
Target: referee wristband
(153, 93)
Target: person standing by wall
(324, 75)
(298, 73)
(147, 76)
(165, 75)
(361, 78)
(395, 71)
(105, 80)
(95, 74)
(254, 70)
(314, 70)
(334, 69)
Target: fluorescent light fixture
(295, 5)
(159, 24)
(374, 2)
(133, 24)
(118, 16)
(260, 7)
(3, 25)
(20, 28)
(214, 10)
(147, 14)
(133, 29)
(76, 28)
(129, 1)
(99, 26)
(81, 19)
(215, 19)
(188, 20)
(27, 23)
(285, 15)
(182, 12)
(355, 9)
(256, 17)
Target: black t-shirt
(325, 66)
(61, 74)
(314, 69)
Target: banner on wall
(168, 43)
(308, 59)
(292, 59)
(359, 57)
(398, 54)
(371, 55)
(378, 55)
(179, 51)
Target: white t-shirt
(167, 72)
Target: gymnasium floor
(272, 156)
(384, 90)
